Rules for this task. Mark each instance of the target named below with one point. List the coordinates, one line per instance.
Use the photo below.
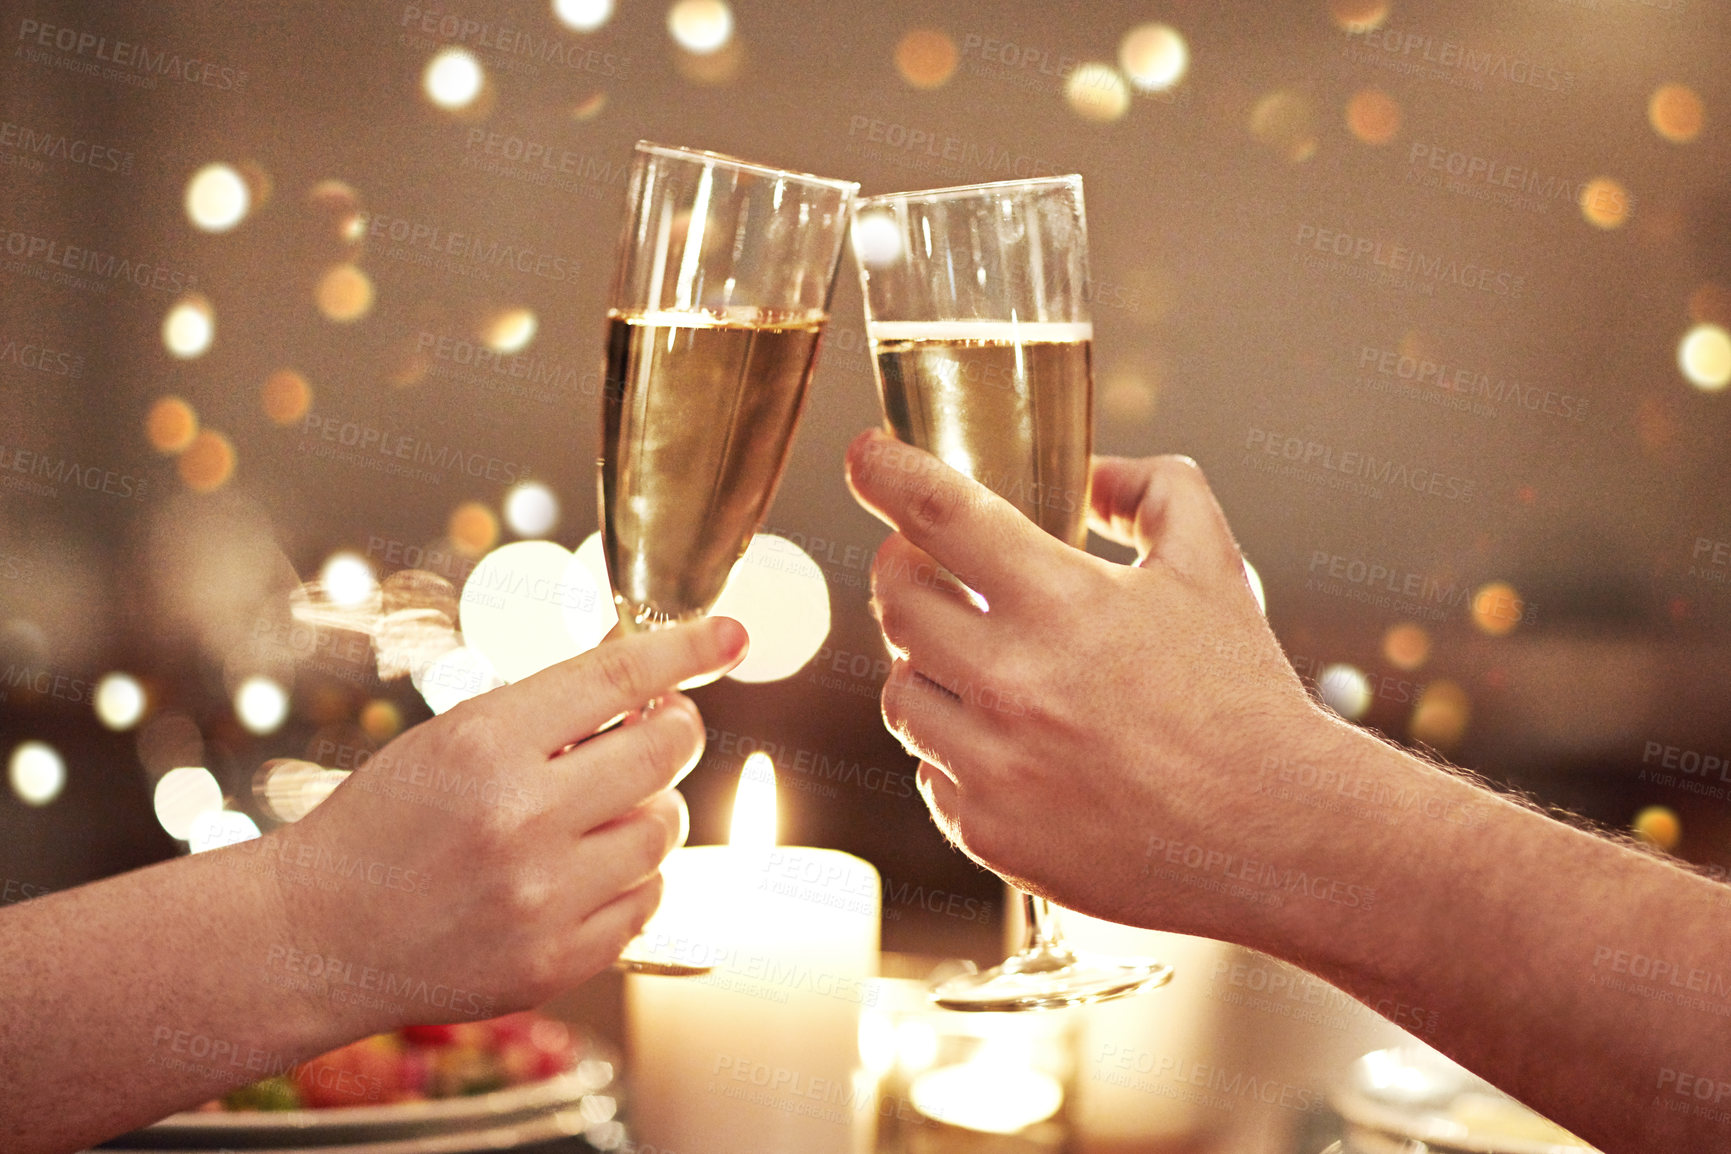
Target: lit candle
(761, 1053)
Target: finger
(611, 773)
(569, 701)
(599, 938)
(936, 723)
(963, 525)
(1163, 507)
(923, 616)
(624, 853)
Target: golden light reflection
(520, 631)
(1127, 396)
(1406, 646)
(1704, 356)
(754, 811)
(779, 594)
(1285, 121)
(926, 58)
(208, 462)
(1359, 15)
(348, 580)
(381, 720)
(217, 198)
(1420, 345)
(1676, 113)
(344, 293)
(473, 528)
(1710, 304)
(261, 704)
(259, 185)
(583, 15)
(1605, 202)
(1373, 116)
(181, 795)
(1497, 608)
(531, 509)
(713, 68)
(120, 701)
(336, 223)
(1344, 689)
(1097, 92)
(1154, 57)
(1658, 826)
(189, 327)
(700, 26)
(589, 107)
(170, 425)
(288, 788)
(1441, 715)
(509, 330)
(286, 396)
(453, 78)
(986, 1094)
(36, 772)
(418, 589)
(406, 641)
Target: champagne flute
(720, 293)
(977, 316)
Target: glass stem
(1044, 935)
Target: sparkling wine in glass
(977, 316)
(720, 293)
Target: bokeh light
(473, 528)
(531, 509)
(286, 396)
(215, 828)
(36, 772)
(1096, 92)
(453, 78)
(344, 293)
(456, 677)
(217, 198)
(1285, 121)
(334, 225)
(1704, 356)
(261, 704)
(348, 580)
(588, 625)
(589, 107)
(181, 795)
(1359, 15)
(1154, 57)
(877, 238)
(170, 425)
(509, 330)
(926, 58)
(1676, 113)
(514, 603)
(779, 594)
(1658, 826)
(583, 15)
(119, 701)
(207, 463)
(1406, 646)
(987, 1094)
(1440, 717)
(1344, 689)
(189, 327)
(1497, 608)
(288, 789)
(1605, 203)
(381, 720)
(700, 26)
(1373, 116)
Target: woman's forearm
(1517, 944)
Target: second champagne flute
(720, 294)
(977, 315)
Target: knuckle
(622, 671)
(932, 504)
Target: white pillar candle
(761, 1053)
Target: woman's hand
(1095, 712)
(507, 863)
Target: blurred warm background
(1436, 294)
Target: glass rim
(677, 152)
(1072, 179)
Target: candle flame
(754, 805)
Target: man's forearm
(123, 1001)
(1529, 944)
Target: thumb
(1164, 509)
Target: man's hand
(1090, 705)
(529, 865)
